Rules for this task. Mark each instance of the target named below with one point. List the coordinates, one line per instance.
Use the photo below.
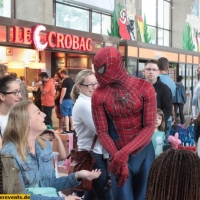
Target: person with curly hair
(175, 174)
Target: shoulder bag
(82, 160)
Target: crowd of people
(131, 117)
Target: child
(159, 134)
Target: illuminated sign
(52, 39)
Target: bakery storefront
(28, 48)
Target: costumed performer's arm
(101, 124)
(118, 165)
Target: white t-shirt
(3, 122)
(84, 125)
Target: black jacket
(164, 98)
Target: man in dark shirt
(163, 93)
(66, 102)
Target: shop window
(106, 24)
(166, 38)
(160, 36)
(195, 77)
(188, 77)
(72, 17)
(132, 66)
(152, 33)
(5, 8)
(163, 37)
(166, 14)
(96, 23)
(140, 69)
(158, 16)
(182, 72)
(149, 9)
(80, 17)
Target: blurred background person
(47, 88)
(58, 85)
(10, 94)
(3, 70)
(37, 94)
(66, 103)
(179, 99)
(23, 88)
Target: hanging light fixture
(37, 65)
(16, 64)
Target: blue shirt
(38, 170)
(165, 78)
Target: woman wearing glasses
(10, 94)
(85, 84)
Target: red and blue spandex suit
(124, 113)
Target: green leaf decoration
(139, 37)
(1, 3)
(187, 39)
(143, 34)
(114, 23)
(147, 37)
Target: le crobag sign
(51, 39)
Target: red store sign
(52, 39)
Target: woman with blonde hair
(33, 154)
(85, 84)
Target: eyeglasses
(91, 85)
(16, 93)
(154, 70)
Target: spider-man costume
(124, 113)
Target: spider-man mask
(108, 66)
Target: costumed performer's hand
(119, 167)
(72, 198)
(85, 174)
